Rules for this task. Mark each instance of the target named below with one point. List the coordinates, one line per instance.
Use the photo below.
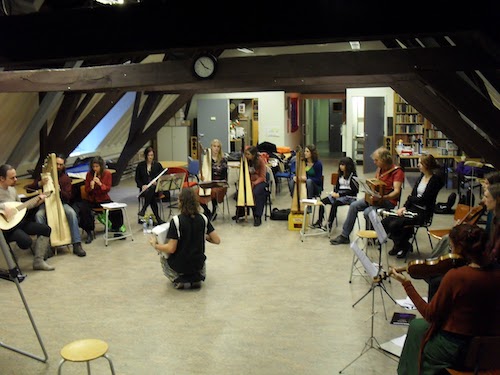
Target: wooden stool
(85, 351)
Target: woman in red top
(257, 171)
(465, 305)
(97, 185)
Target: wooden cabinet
(408, 122)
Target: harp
(56, 217)
(245, 194)
(299, 188)
(205, 156)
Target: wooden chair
(482, 358)
(95, 211)
(465, 214)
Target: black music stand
(378, 277)
(14, 274)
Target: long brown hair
(98, 160)
(188, 202)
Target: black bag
(446, 208)
(277, 214)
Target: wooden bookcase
(434, 138)
(408, 122)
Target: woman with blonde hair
(219, 173)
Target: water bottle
(145, 227)
(150, 224)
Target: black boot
(257, 221)
(90, 236)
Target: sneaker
(339, 240)
(317, 225)
(393, 251)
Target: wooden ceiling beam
(270, 72)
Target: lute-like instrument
(21, 207)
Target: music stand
(378, 277)
(14, 274)
(171, 182)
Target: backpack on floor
(446, 207)
(277, 214)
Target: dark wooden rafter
(446, 118)
(137, 139)
(468, 100)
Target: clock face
(204, 66)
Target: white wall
(272, 119)
(350, 130)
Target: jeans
(41, 217)
(352, 214)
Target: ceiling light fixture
(245, 50)
(355, 45)
(110, 2)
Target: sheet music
(364, 187)
(368, 265)
(153, 181)
(377, 225)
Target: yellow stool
(85, 351)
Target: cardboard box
(295, 220)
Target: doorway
(322, 121)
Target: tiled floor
(271, 304)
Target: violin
(427, 268)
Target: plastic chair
(193, 168)
(187, 183)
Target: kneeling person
(185, 265)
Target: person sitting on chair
(465, 305)
(66, 192)
(22, 232)
(345, 191)
(219, 172)
(257, 170)
(421, 202)
(185, 265)
(313, 174)
(98, 185)
(392, 176)
(146, 171)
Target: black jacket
(142, 177)
(424, 205)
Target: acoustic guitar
(22, 208)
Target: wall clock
(205, 66)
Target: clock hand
(206, 67)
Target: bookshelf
(408, 122)
(434, 138)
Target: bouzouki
(22, 208)
(54, 210)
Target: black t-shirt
(190, 254)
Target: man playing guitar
(10, 213)
(392, 177)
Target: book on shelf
(402, 319)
